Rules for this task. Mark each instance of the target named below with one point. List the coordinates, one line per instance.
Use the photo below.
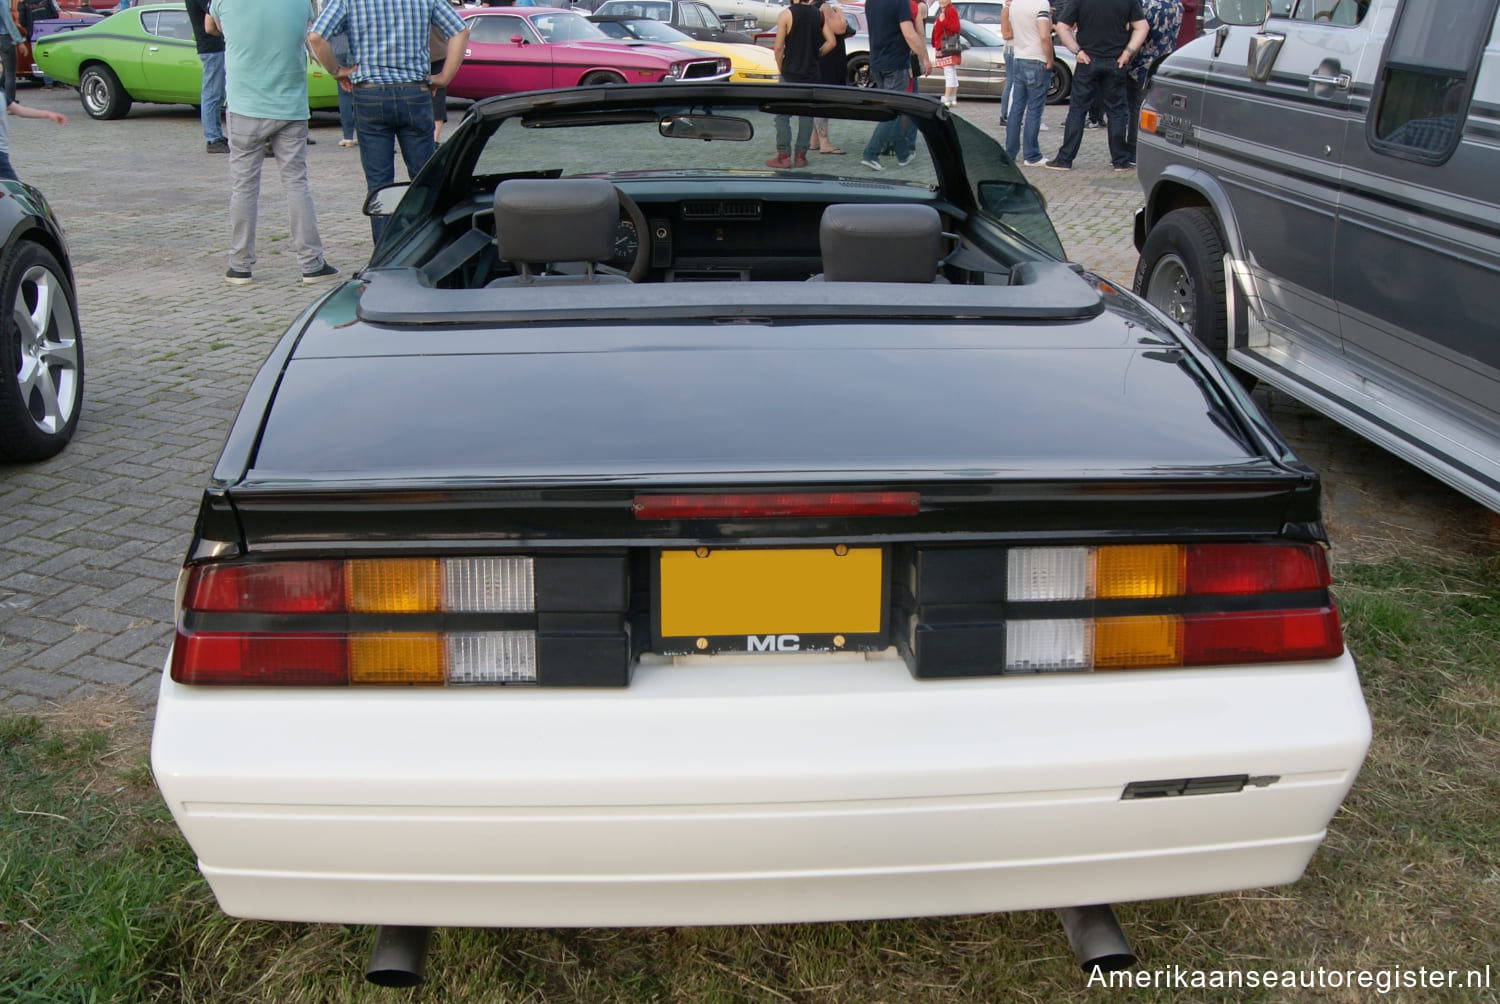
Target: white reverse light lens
(488, 585)
(1049, 573)
(492, 657)
(1058, 646)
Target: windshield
(565, 26)
(655, 31)
(637, 148)
(637, 8)
(983, 34)
(724, 139)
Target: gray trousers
(247, 150)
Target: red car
(515, 49)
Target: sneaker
(236, 277)
(1123, 168)
(1039, 162)
(319, 274)
(800, 160)
(220, 145)
(1044, 127)
(1093, 125)
(1053, 165)
(1003, 120)
(872, 164)
(782, 160)
(347, 142)
(904, 161)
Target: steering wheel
(642, 263)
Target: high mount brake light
(785, 505)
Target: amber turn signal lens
(1149, 120)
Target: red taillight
(1269, 636)
(1247, 569)
(261, 660)
(302, 587)
(777, 506)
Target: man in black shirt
(1105, 35)
(802, 37)
(211, 55)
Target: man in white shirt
(1030, 24)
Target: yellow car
(749, 64)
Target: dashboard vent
(721, 209)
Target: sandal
(827, 150)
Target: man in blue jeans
(893, 40)
(211, 55)
(1106, 36)
(391, 81)
(1030, 25)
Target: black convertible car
(652, 537)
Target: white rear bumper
(753, 789)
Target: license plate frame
(723, 583)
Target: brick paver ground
(91, 541)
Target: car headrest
(876, 243)
(555, 219)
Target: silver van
(1322, 183)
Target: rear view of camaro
(792, 602)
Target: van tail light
(1120, 607)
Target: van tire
(1181, 273)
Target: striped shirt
(388, 38)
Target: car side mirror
(384, 200)
(517, 40)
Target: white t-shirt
(1027, 29)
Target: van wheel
(858, 72)
(1181, 273)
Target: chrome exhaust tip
(1096, 938)
(399, 956)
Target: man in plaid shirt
(391, 81)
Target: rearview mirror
(705, 127)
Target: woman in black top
(833, 68)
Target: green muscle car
(143, 54)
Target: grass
(100, 900)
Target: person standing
(1008, 56)
(1030, 23)
(24, 112)
(945, 26)
(1105, 36)
(833, 68)
(802, 38)
(894, 39)
(391, 80)
(10, 37)
(1165, 20)
(211, 55)
(339, 43)
(265, 83)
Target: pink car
(533, 48)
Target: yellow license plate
(805, 599)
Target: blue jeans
(1032, 78)
(212, 95)
(386, 115)
(900, 132)
(6, 171)
(346, 113)
(1008, 91)
(1091, 80)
